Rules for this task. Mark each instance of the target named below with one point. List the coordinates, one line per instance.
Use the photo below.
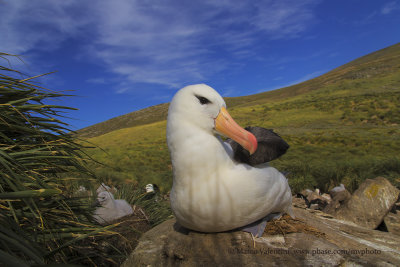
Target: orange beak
(225, 125)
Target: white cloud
(306, 77)
(297, 81)
(27, 25)
(157, 42)
(390, 7)
(99, 80)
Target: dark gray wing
(270, 146)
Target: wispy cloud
(27, 25)
(154, 42)
(390, 7)
(306, 77)
(100, 80)
(297, 81)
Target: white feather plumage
(111, 209)
(211, 192)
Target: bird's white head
(201, 107)
(103, 198)
(149, 188)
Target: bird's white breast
(211, 193)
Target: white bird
(211, 192)
(149, 188)
(110, 209)
(81, 192)
(103, 187)
(317, 191)
(81, 189)
(336, 191)
(338, 188)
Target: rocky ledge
(313, 238)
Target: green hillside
(382, 62)
(342, 127)
(136, 118)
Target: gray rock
(311, 199)
(339, 244)
(299, 202)
(306, 192)
(369, 203)
(392, 222)
(316, 201)
(327, 197)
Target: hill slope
(382, 62)
(343, 127)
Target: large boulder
(369, 203)
(312, 239)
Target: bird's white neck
(110, 203)
(193, 151)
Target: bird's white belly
(203, 211)
(225, 204)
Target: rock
(306, 192)
(316, 201)
(370, 203)
(323, 242)
(338, 199)
(326, 197)
(392, 219)
(312, 196)
(311, 199)
(392, 222)
(299, 202)
(396, 206)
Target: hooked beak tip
(225, 125)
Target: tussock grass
(156, 206)
(40, 221)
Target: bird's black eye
(203, 100)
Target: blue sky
(123, 55)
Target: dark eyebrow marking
(203, 100)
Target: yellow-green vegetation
(343, 127)
(139, 153)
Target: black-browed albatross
(211, 192)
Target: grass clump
(40, 221)
(156, 206)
